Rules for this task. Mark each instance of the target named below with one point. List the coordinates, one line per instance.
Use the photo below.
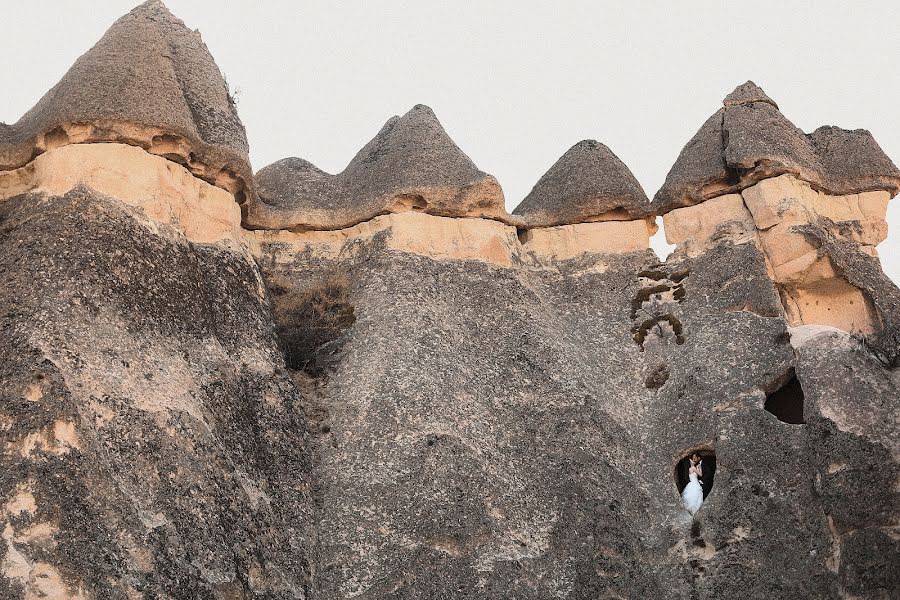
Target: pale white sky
(515, 83)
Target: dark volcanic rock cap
(749, 140)
(411, 164)
(150, 81)
(588, 181)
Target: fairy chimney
(378, 384)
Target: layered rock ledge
(749, 140)
(165, 192)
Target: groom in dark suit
(707, 470)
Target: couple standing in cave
(698, 481)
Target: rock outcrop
(588, 183)
(149, 82)
(411, 165)
(379, 385)
(749, 140)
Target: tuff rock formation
(749, 140)
(380, 385)
(589, 183)
(412, 164)
(149, 82)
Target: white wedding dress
(692, 495)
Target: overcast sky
(515, 83)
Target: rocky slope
(379, 384)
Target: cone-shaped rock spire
(411, 164)
(149, 81)
(747, 93)
(749, 140)
(586, 183)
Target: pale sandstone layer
(769, 214)
(166, 192)
(484, 240)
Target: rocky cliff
(379, 384)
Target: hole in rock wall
(310, 322)
(654, 304)
(786, 402)
(409, 202)
(658, 242)
(657, 377)
(707, 464)
(55, 138)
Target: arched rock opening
(708, 464)
(786, 402)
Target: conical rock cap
(587, 183)
(749, 140)
(411, 164)
(149, 81)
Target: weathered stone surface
(747, 93)
(152, 444)
(750, 140)
(411, 165)
(504, 452)
(164, 191)
(606, 237)
(696, 229)
(149, 82)
(588, 183)
(428, 405)
(775, 215)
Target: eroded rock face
(750, 140)
(411, 165)
(152, 441)
(165, 191)
(403, 392)
(774, 215)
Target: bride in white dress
(692, 495)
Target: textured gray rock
(478, 437)
(151, 82)
(431, 407)
(412, 164)
(749, 140)
(147, 424)
(747, 93)
(587, 183)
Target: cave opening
(708, 467)
(786, 403)
(310, 321)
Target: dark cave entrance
(786, 402)
(708, 465)
(311, 320)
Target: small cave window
(708, 467)
(786, 402)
